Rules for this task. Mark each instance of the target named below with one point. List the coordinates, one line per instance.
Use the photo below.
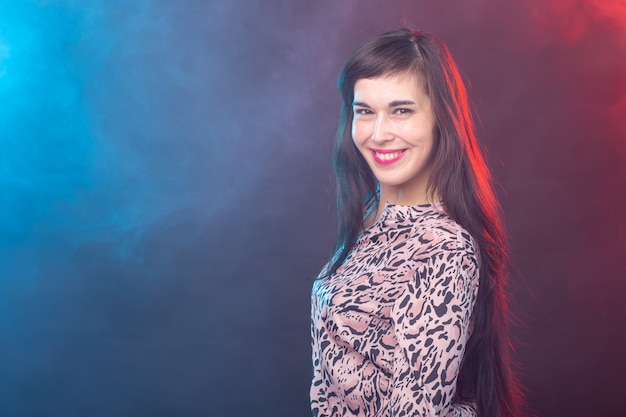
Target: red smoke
(569, 20)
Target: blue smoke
(121, 119)
(47, 143)
(103, 128)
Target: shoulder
(438, 233)
(433, 246)
(447, 258)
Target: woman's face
(393, 128)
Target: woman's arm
(431, 321)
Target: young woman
(409, 316)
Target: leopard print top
(389, 328)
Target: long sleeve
(390, 325)
(431, 320)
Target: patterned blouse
(389, 328)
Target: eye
(403, 111)
(362, 111)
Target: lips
(387, 157)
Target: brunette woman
(409, 316)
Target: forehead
(398, 86)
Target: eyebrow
(395, 103)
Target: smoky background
(167, 195)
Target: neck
(397, 198)
(404, 198)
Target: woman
(409, 316)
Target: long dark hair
(460, 178)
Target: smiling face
(393, 128)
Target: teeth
(387, 156)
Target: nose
(382, 130)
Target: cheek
(359, 133)
(420, 134)
(355, 132)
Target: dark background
(166, 195)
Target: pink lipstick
(387, 157)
